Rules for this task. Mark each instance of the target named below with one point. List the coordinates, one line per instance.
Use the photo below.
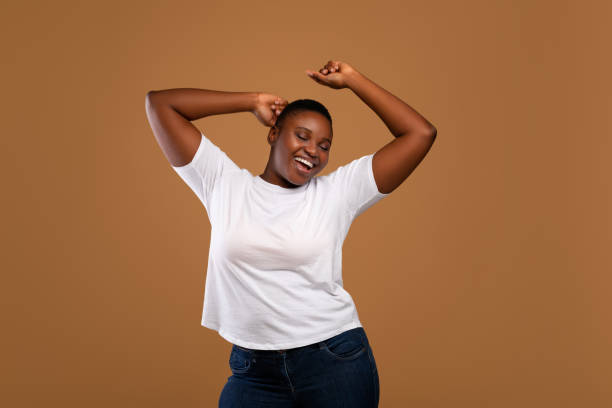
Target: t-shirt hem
(282, 346)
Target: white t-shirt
(274, 278)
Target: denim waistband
(318, 344)
(313, 345)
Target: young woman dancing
(274, 279)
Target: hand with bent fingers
(268, 107)
(333, 74)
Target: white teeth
(306, 162)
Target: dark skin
(305, 134)
(391, 164)
(171, 111)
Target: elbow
(149, 95)
(431, 131)
(153, 98)
(428, 132)
(434, 133)
(148, 100)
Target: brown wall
(483, 281)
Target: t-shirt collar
(278, 189)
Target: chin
(298, 181)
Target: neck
(273, 177)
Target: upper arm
(178, 137)
(394, 162)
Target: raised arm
(414, 135)
(171, 111)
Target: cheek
(323, 163)
(325, 158)
(281, 150)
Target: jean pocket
(345, 346)
(240, 360)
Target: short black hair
(300, 105)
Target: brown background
(482, 281)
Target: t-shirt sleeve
(207, 168)
(356, 185)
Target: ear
(272, 135)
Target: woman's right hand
(268, 107)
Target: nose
(311, 149)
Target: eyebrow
(305, 128)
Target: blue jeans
(333, 373)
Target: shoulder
(237, 176)
(353, 168)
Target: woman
(274, 280)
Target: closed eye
(304, 138)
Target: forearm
(193, 103)
(399, 117)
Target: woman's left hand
(333, 74)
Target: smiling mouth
(302, 167)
